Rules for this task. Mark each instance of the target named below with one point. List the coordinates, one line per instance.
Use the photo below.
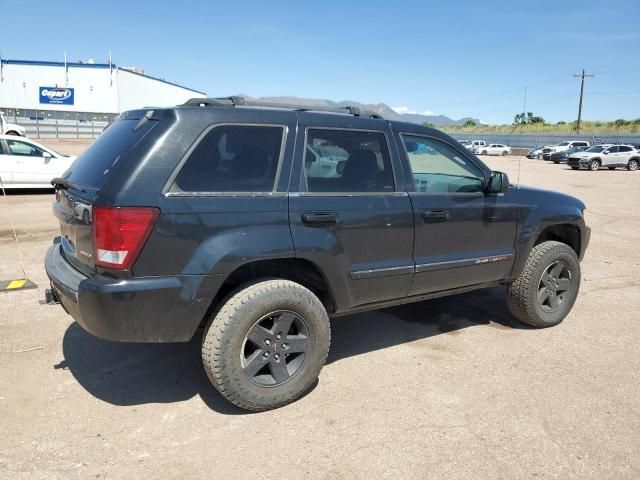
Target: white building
(60, 99)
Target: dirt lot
(449, 388)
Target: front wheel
(633, 165)
(504, 153)
(594, 165)
(544, 293)
(267, 344)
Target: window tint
(24, 149)
(347, 161)
(438, 168)
(624, 149)
(233, 158)
(612, 149)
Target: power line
(582, 77)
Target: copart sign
(56, 95)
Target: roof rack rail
(243, 102)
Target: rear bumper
(143, 309)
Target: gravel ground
(449, 388)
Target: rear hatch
(78, 190)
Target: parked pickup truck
(7, 128)
(212, 214)
(476, 144)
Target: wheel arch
(563, 232)
(298, 270)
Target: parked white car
(493, 149)
(610, 156)
(7, 128)
(27, 164)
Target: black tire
(633, 164)
(525, 294)
(556, 162)
(484, 152)
(226, 344)
(504, 153)
(12, 132)
(594, 165)
(575, 168)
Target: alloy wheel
(554, 286)
(274, 348)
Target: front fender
(539, 210)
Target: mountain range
(381, 108)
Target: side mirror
(606, 152)
(498, 183)
(47, 156)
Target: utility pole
(582, 76)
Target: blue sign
(56, 95)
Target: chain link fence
(43, 124)
(528, 140)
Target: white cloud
(404, 109)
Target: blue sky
(456, 58)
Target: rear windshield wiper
(63, 183)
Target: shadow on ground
(133, 374)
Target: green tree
(469, 123)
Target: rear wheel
(594, 165)
(504, 153)
(633, 164)
(267, 344)
(547, 288)
(484, 152)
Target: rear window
(92, 168)
(233, 158)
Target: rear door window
(350, 161)
(233, 158)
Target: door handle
(438, 215)
(329, 218)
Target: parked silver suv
(610, 156)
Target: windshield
(596, 149)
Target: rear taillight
(119, 233)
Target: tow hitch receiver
(51, 297)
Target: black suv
(259, 222)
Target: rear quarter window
(233, 158)
(92, 168)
